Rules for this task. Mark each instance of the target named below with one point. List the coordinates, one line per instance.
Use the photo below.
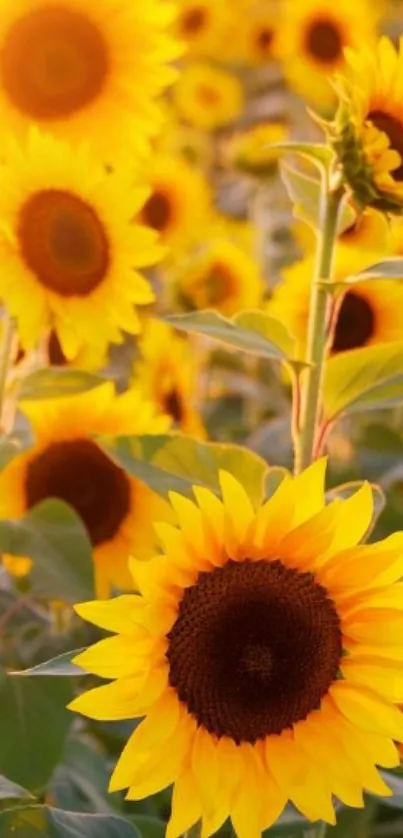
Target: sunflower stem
(5, 361)
(331, 200)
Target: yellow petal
(381, 626)
(354, 519)
(160, 723)
(247, 812)
(384, 677)
(111, 702)
(309, 490)
(274, 519)
(213, 516)
(298, 779)
(118, 615)
(367, 710)
(237, 504)
(186, 806)
(117, 656)
(190, 520)
(204, 763)
(163, 764)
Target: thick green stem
(5, 359)
(318, 326)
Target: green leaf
(275, 476)
(80, 782)
(176, 463)
(395, 783)
(12, 791)
(305, 193)
(353, 823)
(46, 822)
(34, 724)
(53, 383)
(364, 379)
(54, 536)
(389, 269)
(59, 666)
(253, 332)
(10, 447)
(148, 826)
(318, 153)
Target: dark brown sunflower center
(254, 649)
(53, 63)
(264, 39)
(157, 212)
(63, 242)
(324, 41)
(218, 284)
(56, 355)
(194, 20)
(393, 129)
(173, 405)
(80, 474)
(355, 323)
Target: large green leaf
(253, 332)
(54, 383)
(364, 379)
(148, 826)
(11, 792)
(319, 153)
(80, 782)
(34, 723)
(176, 462)
(55, 538)
(60, 666)
(353, 823)
(305, 193)
(46, 822)
(388, 269)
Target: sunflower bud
(367, 133)
(252, 151)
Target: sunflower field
(201, 418)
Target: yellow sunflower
(69, 247)
(85, 70)
(208, 97)
(367, 313)
(66, 463)
(221, 276)
(200, 23)
(369, 230)
(168, 375)
(259, 33)
(178, 207)
(250, 150)
(312, 37)
(264, 651)
(368, 129)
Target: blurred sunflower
(207, 97)
(50, 354)
(167, 375)
(264, 651)
(83, 69)
(250, 150)
(200, 24)
(219, 276)
(367, 313)
(179, 204)
(312, 37)
(259, 33)
(66, 463)
(368, 130)
(69, 247)
(369, 230)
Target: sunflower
(367, 133)
(167, 375)
(369, 230)
(259, 33)
(367, 313)
(200, 24)
(312, 37)
(264, 652)
(221, 276)
(250, 150)
(66, 463)
(68, 245)
(208, 97)
(85, 70)
(179, 203)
